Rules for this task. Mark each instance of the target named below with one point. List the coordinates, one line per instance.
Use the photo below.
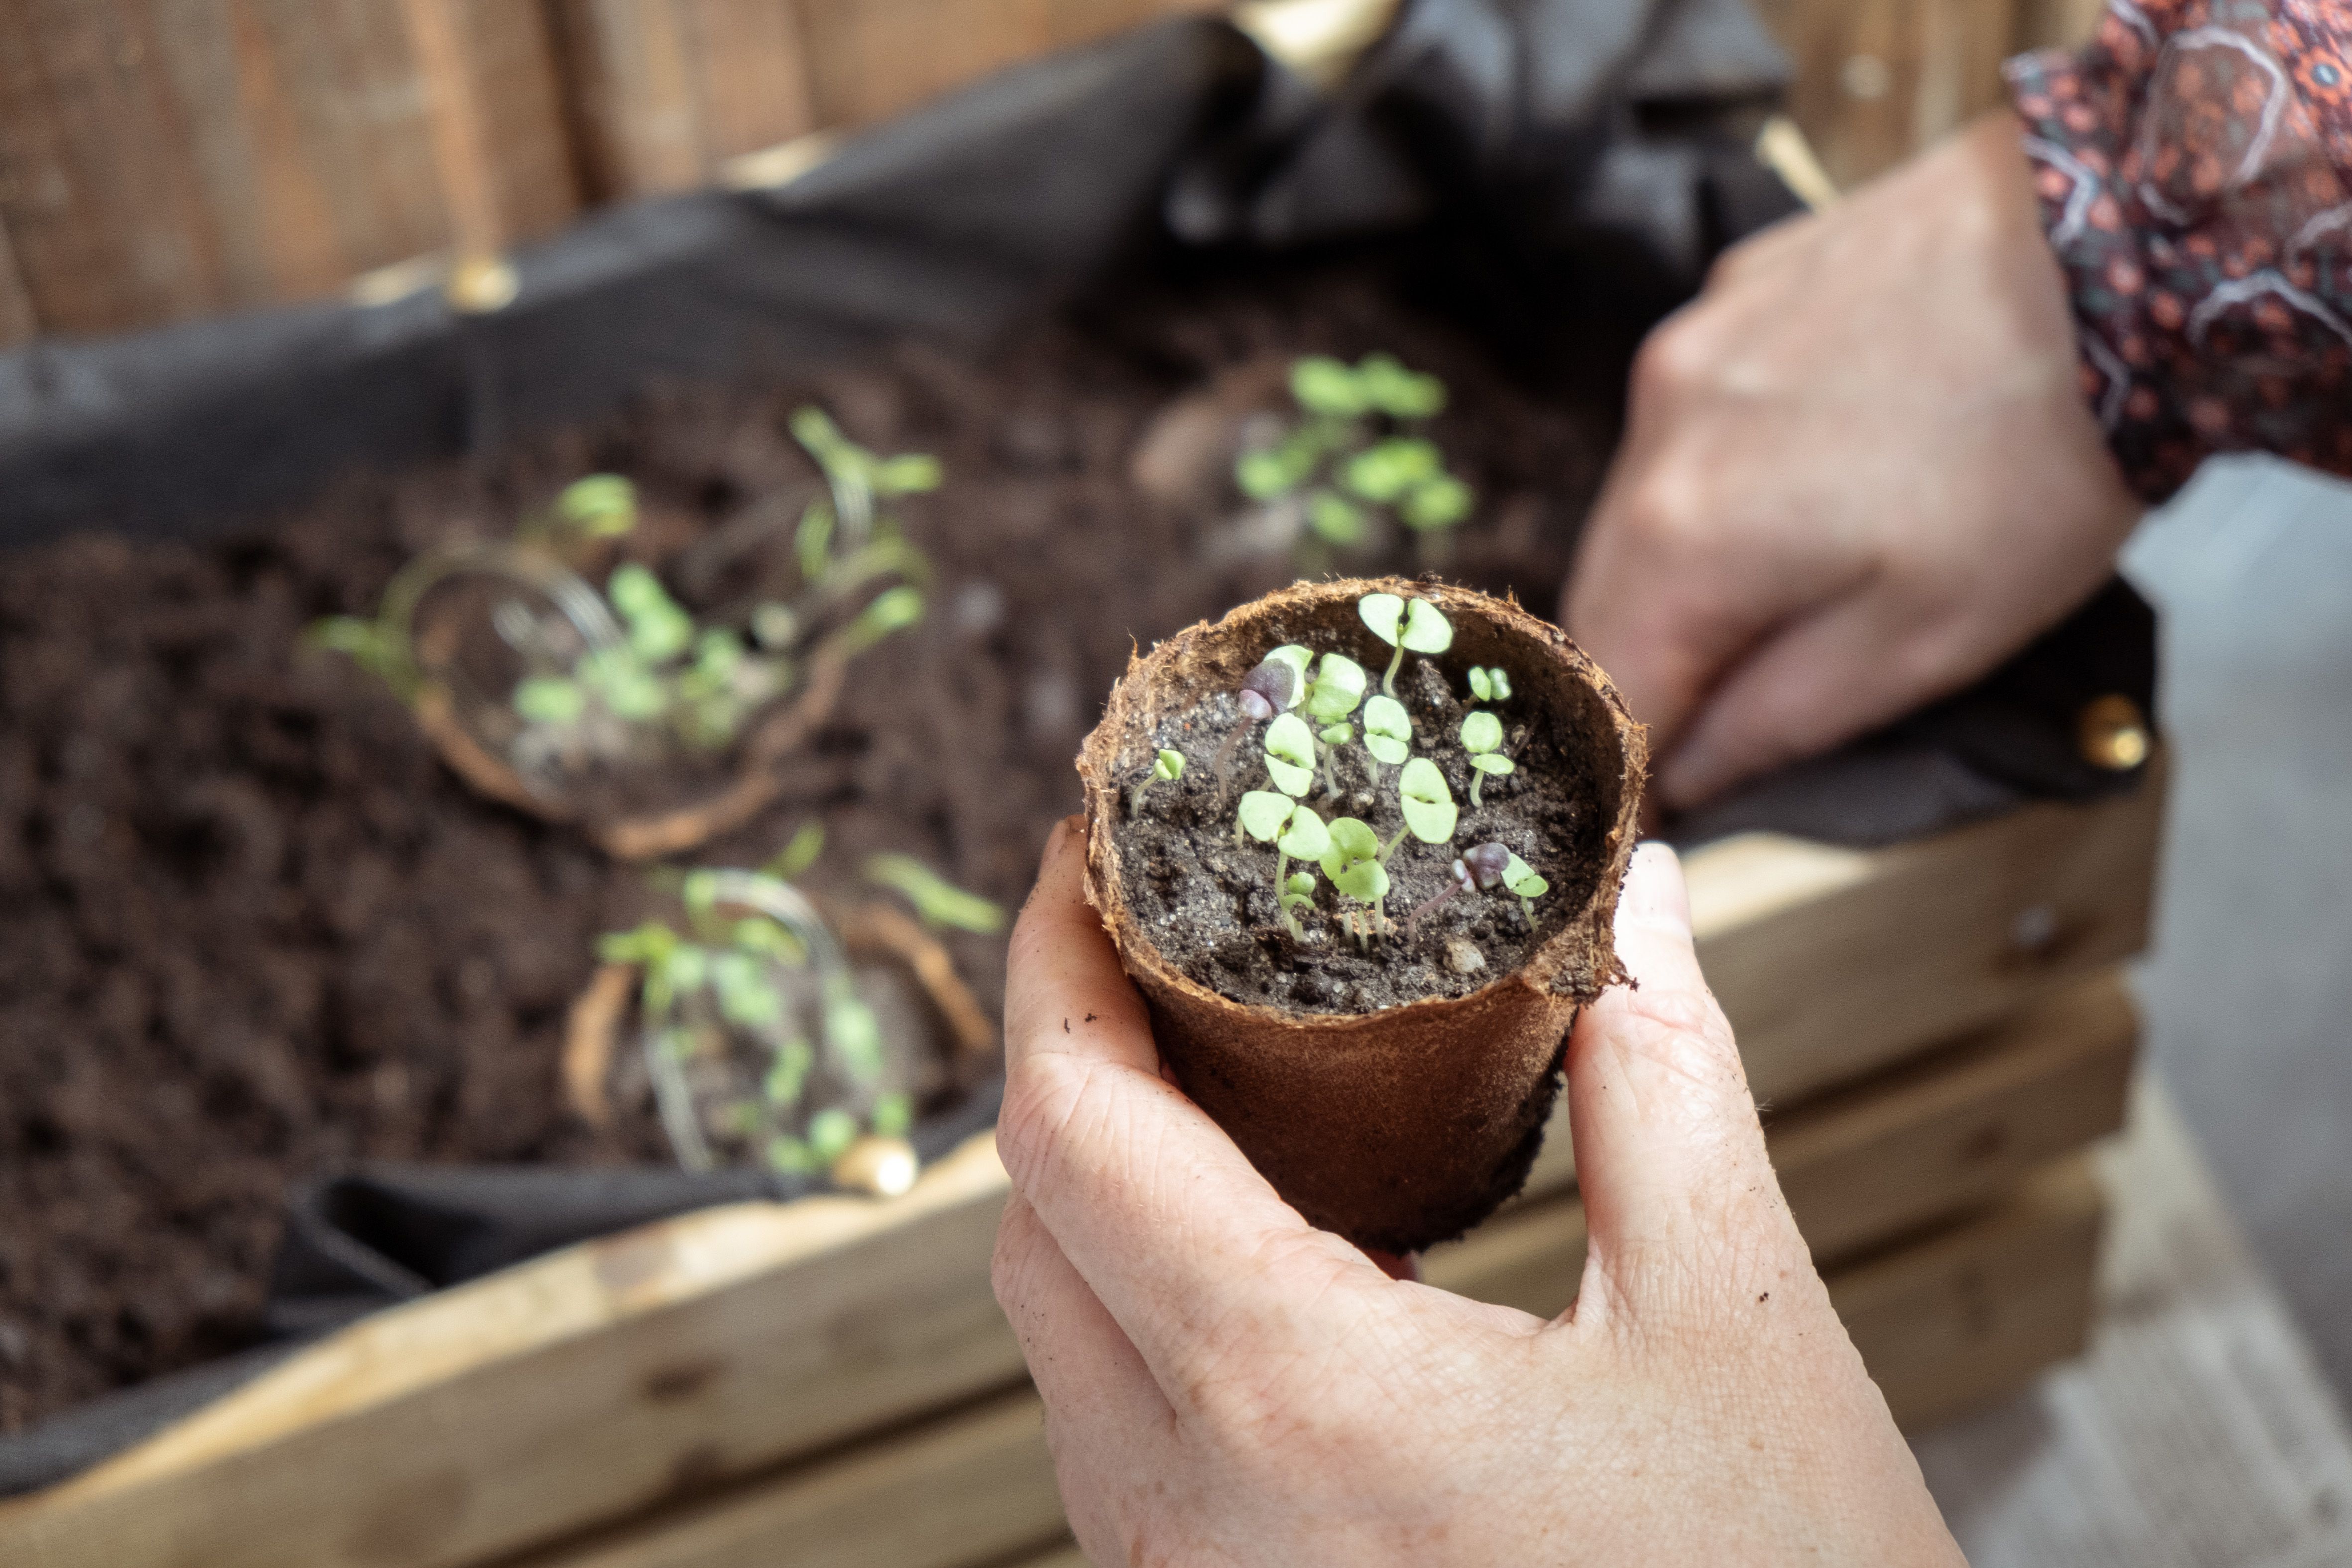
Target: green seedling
(797, 856)
(1276, 685)
(1481, 737)
(1290, 754)
(1490, 684)
(597, 506)
(1483, 870)
(756, 965)
(1430, 813)
(1356, 865)
(857, 478)
(1339, 688)
(1405, 623)
(937, 900)
(1167, 767)
(1349, 459)
(658, 628)
(1296, 833)
(1388, 732)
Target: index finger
(1166, 1222)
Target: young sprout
(1296, 834)
(1522, 880)
(1404, 623)
(597, 506)
(796, 856)
(1166, 768)
(1388, 732)
(658, 629)
(1481, 737)
(1338, 686)
(1290, 754)
(550, 700)
(1430, 813)
(1490, 684)
(1277, 683)
(1479, 868)
(937, 900)
(1334, 470)
(893, 610)
(1354, 864)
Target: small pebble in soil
(1463, 957)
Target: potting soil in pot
(250, 928)
(1209, 904)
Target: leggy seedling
(1338, 686)
(755, 961)
(1167, 767)
(1296, 834)
(1355, 863)
(1335, 471)
(1485, 868)
(1274, 686)
(1403, 624)
(1481, 737)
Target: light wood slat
(1959, 1319)
(1912, 1147)
(1897, 948)
(1921, 1140)
(593, 1383)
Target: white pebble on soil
(1463, 957)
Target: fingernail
(1654, 886)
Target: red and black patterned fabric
(2194, 165)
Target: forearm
(2193, 166)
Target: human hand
(1858, 472)
(1225, 1384)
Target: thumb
(1684, 1210)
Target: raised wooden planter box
(691, 1387)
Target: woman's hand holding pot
(1224, 1383)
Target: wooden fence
(166, 159)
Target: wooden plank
(593, 1383)
(1877, 80)
(1960, 1319)
(1910, 1148)
(1921, 1141)
(1957, 1317)
(668, 92)
(1833, 963)
(869, 59)
(968, 1490)
(169, 158)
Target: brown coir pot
(1402, 1128)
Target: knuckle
(1676, 356)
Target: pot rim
(1553, 957)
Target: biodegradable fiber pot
(1402, 1128)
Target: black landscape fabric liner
(1581, 163)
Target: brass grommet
(2113, 734)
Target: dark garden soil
(1208, 905)
(251, 927)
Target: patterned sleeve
(2194, 165)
